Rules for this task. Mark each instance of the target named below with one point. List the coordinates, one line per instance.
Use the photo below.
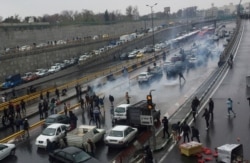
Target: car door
(130, 133)
(3, 152)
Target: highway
(167, 94)
(223, 128)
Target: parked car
(133, 54)
(54, 69)
(72, 155)
(120, 136)
(56, 118)
(6, 150)
(30, 76)
(42, 72)
(53, 132)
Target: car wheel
(12, 152)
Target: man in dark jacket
(165, 127)
(211, 107)
(195, 134)
(186, 130)
(206, 115)
(111, 99)
(194, 106)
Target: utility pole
(152, 19)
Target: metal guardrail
(208, 85)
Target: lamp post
(152, 19)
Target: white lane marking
(172, 146)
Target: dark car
(56, 118)
(124, 56)
(71, 155)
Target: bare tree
(129, 12)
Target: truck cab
(120, 112)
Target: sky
(25, 8)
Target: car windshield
(142, 75)
(115, 133)
(81, 156)
(49, 131)
(50, 120)
(120, 110)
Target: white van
(120, 112)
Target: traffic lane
(105, 153)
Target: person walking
(176, 130)
(111, 99)
(127, 97)
(12, 122)
(26, 127)
(230, 107)
(206, 115)
(49, 147)
(194, 106)
(18, 123)
(211, 108)
(186, 130)
(180, 74)
(165, 127)
(195, 134)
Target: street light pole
(152, 19)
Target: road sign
(146, 120)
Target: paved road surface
(223, 128)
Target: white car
(144, 77)
(120, 136)
(42, 72)
(6, 150)
(54, 69)
(53, 132)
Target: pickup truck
(135, 111)
(80, 135)
(144, 77)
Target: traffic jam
(109, 119)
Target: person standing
(176, 131)
(230, 107)
(97, 113)
(49, 147)
(57, 93)
(40, 110)
(90, 147)
(23, 106)
(195, 134)
(211, 108)
(206, 115)
(194, 106)
(127, 97)
(26, 127)
(65, 109)
(47, 95)
(111, 99)
(82, 103)
(18, 110)
(165, 127)
(12, 122)
(186, 130)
